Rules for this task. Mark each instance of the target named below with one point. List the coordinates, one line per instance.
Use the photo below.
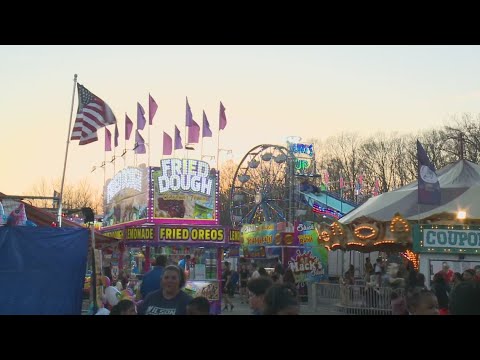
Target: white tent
(460, 190)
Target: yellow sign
(191, 234)
(235, 236)
(116, 234)
(143, 233)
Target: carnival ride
(268, 188)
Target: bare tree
(227, 171)
(74, 196)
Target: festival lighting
(371, 230)
(398, 224)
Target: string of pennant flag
(93, 113)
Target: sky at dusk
(269, 92)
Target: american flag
(92, 114)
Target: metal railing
(353, 299)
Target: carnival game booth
(299, 249)
(173, 210)
(19, 213)
(444, 233)
(43, 267)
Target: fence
(353, 299)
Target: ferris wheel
(262, 188)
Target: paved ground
(244, 309)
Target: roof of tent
(460, 189)
(44, 218)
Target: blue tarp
(42, 270)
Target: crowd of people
(267, 294)
(160, 292)
(449, 292)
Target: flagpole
(59, 217)
(114, 148)
(124, 155)
(186, 139)
(149, 137)
(218, 145)
(201, 145)
(104, 166)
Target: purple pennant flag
(152, 109)
(188, 116)
(139, 143)
(178, 139)
(115, 139)
(223, 118)
(167, 144)
(140, 117)
(108, 140)
(193, 133)
(206, 132)
(128, 127)
(429, 191)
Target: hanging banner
(256, 237)
(310, 260)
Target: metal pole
(94, 272)
(59, 217)
(218, 146)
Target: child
(422, 302)
(198, 306)
(124, 307)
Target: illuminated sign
(304, 158)
(185, 175)
(452, 238)
(302, 164)
(235, 236)
(126, 196)
(140, 233)
(446, 239)
(306, 262)
(302, 149)
(116, 234)
(318, 209)
(191, 233)
(129, 178)
(185, 189)
(262, 234)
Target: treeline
(390, 158)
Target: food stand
(173, 208)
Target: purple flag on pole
(139, 143)
(140, 117)
(128, 127)
(152, 109)
(206, 132)
(223, 118)
(167, 144)
(188, 116)
(428, 186)
(108, 140)
(193, 133)
(115, 139)
(178, 139)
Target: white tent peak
(460, 188)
